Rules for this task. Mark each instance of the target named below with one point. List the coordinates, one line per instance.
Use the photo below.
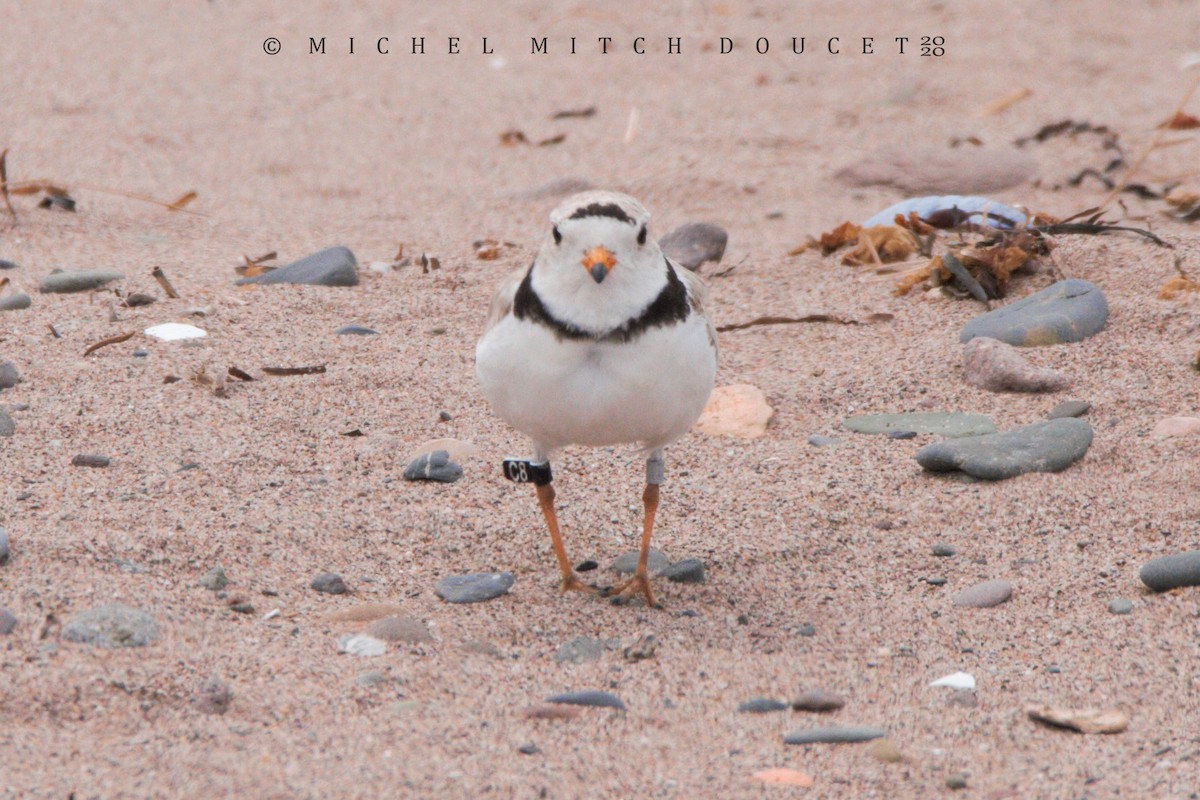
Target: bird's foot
(572, 583)
(640, 582)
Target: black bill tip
(599, 272)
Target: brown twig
(772, 320)
(319, 368)
(4, 183)
(110, 340)
(240, 374)
(161, 277)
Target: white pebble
(175, 331)
(956, 680)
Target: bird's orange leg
(641, 578)
(570, 581)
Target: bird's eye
(642, 235)
(557, 236)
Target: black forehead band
(603, 210)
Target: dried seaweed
(122, 337)
(313, 370)
(590, 111)
(239, 373)
(776, 320)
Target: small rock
(885, 751)
(7, 426)
(783, 776)
(806, 629)
(15, 302)
(588, 698)
(740, 411)
(998, 367)
(140, 354)
(936, 169)
(644, 648)
(938, 581)
(818, 701)
(1177, 426)
(334, 266)
(361, 645)
(396, 628)
(1068, 311)
(956, 781)
(213, 697)
(3, 547)
(175, 332)
(329, 583)
(689, 570)
(951, 424)
(444, 416)
(90, 460)
(1049, 446)
(9, 377)
(956, 680)
(435, 466)
(761, 705)
(1120, 606)
(656, 562)
(7, 622)
(474, 588)
(112, 626)
(241, 606)
(833, 735)
(1170, 572)
(943, 550)
(77, 281)
(528, 749)
(6, 264)
(580, 650)
(824, 441)
(215, 579)
(694, 243)
(984, 595)
(135, 299)
(587, 566)
(1069, 408)
(1084, 720)
(369, 680)
(356, 330)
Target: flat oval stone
(333, 266)
(356, 330)
(1069, 408)
(1068, 311)
(8, 622)
(818, 701)
(6, 264)
(435, 466)
(77, 280)
(588, 698)
(761, 705)
(656, 562)
(1049, 446)
(15, 302)
(984, 595)
(1173, 571)
(834, 735)
(689, 570)
(475, 587)
(952, 424)
(1120, 606)
(694, 243)
(112, 626)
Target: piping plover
(601, 341)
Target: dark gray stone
(112, 626)
(762, 705)
(9, 377)
(8, 622)
(834, 735)
(588, 698)
(329, 583)
(694, 243)
(953, 424)
(824, 441)
(689, 570)
(656, 562)
(80, 280)
(6, 264)
(1069, 311)
(580, 650)
(15, 302)
(528, 749)
(943, 550)
(7, 426)
(1049, 446)
(90, 460)
(1069, 408)
(474, 588)
(984, 595)
(215, 579)
(1173, 571)
(3, 547)
(1120, 606)
(818, 701)
(807, 629)
(356, 330)
(333, 266)
(435, 466)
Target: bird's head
(602, 233)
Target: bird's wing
(502, 300)
(697, 293)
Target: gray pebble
(1069, 408)
(9, 376)
(474, 588)
(902, 434)
(1068, 311)
(80, 280)
(333, 266)
(833, 735)
(112, 626)
(807, 629)
(939, 581)
(999, 367)
(580, 650)
(1049, 446)
(588, 698)
(528, 749)
(824, 441)
(818, 701)
(356, 330)
(90, 460)
(213, 697)
(6, 264)
(329, 583)
(689, 570)
(7, 622)
(1170, 572)
(435, 466)
(140, 354)
(3, 547)
(952, 424)
(396, 628)
(15, 302)
(943, 550)
(215, 579)
(1120, 606)
(694, 243)
(984, 595)
(656, 562)
(761, 705)
(7, 426)
(369, 680)
(956, 781)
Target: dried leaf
(110, 340)
(552, 140)
(513, 137)
(1180, 122)
(183, 200)
(882, 244)
(1177, 287)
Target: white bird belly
(559, 392)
